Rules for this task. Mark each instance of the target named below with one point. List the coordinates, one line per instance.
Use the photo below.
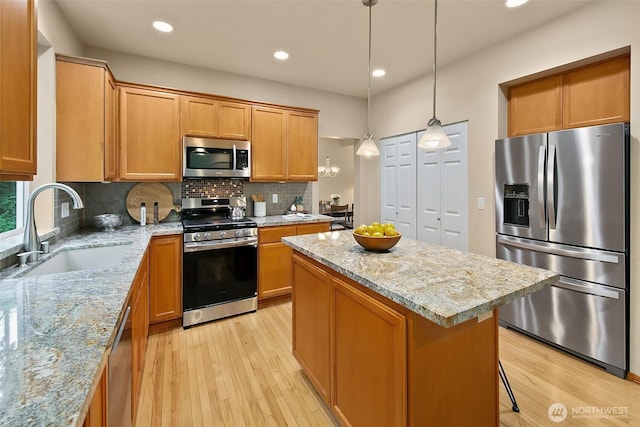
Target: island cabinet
(86, 148)
(590, 95)
(284, 144)
(18, 83)
(274, 257)
(165, 289)
(150, 148)
(214, 118)
(376, 363)
(139, 328)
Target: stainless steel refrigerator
(562, 203)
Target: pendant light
(368, 147)
(434, 137)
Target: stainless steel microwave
(215, 158)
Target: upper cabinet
(284, 145)
(536, 106)
(591, 95)
(18, 82)
(214, 118)
(597, 94)
(85, 121)
(150, 148)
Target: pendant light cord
(369, 77)
(435, 50)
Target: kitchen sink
(94, 258)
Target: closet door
(442, 214)
(398, 183)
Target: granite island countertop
(58, 329)
(441, 284)
(294, 219)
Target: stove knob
(222, 234)
(207, 236)
(196, 237)
(239, 233)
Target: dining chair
(339, 212)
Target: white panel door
(443, 216)
(398, 198)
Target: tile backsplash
(102, 198)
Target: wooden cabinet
(18, 83)
(377, 363)
(97, 413)
(274, 257)
(590, 95)
(85, 121)
(369, 384)
(597, 94)
(302, 146)
(536, 106)
(165, 290)
(150, 148)
(274, 261)
(311, 301)
(284, 145)
(214, 118)
(139, 328)
(352, 347)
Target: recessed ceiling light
(281, 55)
(378, 72)
(515, 3)
(162, 26)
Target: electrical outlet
(64, 210)
(274, 198)
(481, 203)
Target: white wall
(469, 90)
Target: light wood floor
(240, 372)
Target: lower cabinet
(97, 413)
(274, 257)
(376, 363)
(139, 329)
(165, 290)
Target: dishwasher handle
(121, 330)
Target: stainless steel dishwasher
(120, 375)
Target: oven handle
(213, 245)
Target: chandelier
(327, 170)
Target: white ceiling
(327, 39)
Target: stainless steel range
(219, 272)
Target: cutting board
(149, 192)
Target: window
(12, 204)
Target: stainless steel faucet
(31, 242)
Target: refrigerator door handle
(542, 152)
(551, 195)
(582, 254)
(586, 288)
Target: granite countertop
(441, 284)
(273, 220)
(57, 329)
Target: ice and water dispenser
(516, 204)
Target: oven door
(219, 279)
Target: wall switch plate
(481, 203)
(274, 198)
(64, 210)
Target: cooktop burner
(211, 219)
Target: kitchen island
(403, 337)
